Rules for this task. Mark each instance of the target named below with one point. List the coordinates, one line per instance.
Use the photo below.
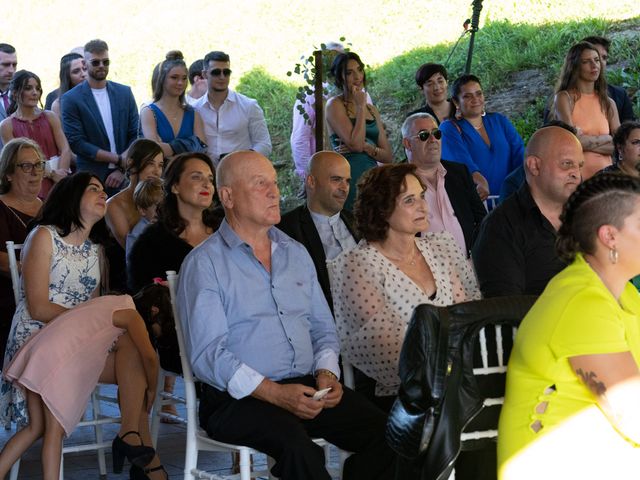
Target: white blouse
(373, 301)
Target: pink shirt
(441, 216)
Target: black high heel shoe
(137, 473)
(138, 455)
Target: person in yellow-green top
(572, 403)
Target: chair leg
(245, 464)
(156, 409)
(15, 470)
(190, 459)
(95, 404)
(270, 463)
(61, 474)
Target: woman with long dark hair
(26, 119)
(355, 127)
(62, 276)
(486, 142)
(144, 160)
(581, 101)
(73, 71)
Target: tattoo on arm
(590, 379)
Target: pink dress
(63, 362)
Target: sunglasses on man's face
(96, 62)
(424, 135)
(216, 72)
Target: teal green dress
(360, 162)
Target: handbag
(410, 425)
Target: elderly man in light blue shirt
(259, 333)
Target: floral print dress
(74, 276)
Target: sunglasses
(29, 167)
(96, 62)
(424, 135)
(216, 72)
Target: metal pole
(319, 100)
(475, 20)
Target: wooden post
(319, 99)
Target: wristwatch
(328, 373)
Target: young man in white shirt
(232, 121)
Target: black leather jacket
(461, 405)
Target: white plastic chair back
(12, 252)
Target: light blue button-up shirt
(242, 323)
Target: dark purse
(410, 425)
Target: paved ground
(171, 447)
(82, 466)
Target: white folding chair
(491, 202)
(163, 399)
(498, 368)
(347, 374)
(96, 419)
(197, 439)
(12, 249)
(490, 367)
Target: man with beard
(232, 121)
(100, 119)
(321, 225)
(515, 253)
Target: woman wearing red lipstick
(28, 120)
(186, 217)
(581, 101)
(377, 285)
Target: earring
(458, 114)
(484, 112)
(613, 255)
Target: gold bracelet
(328, 373)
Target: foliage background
(266, 38)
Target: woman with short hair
(21, 170)
(573, 379)
(377, 285)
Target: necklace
(477, 128)
(411, 261)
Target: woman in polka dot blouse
(377, 285)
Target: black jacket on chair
(462, 397)
(299, 225)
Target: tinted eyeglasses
(96, 62)
(424, 135)
(216, 72)
(29, 167)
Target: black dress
(13, 226)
